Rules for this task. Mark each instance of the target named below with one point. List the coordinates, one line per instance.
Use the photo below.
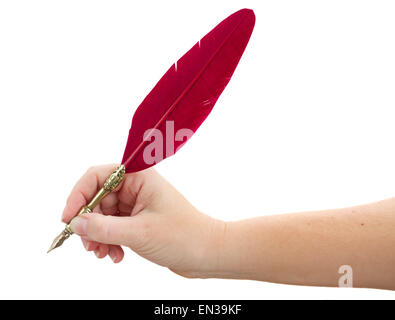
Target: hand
(146, 214)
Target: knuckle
(107, 232)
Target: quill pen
(179, 102)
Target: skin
(146, 214)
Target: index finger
(85, 189)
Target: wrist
(232, 251)
(204, 248)
(219, 250)
(225, 255)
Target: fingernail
(112, 256)
(78, 225)
(97, 253)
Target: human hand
(148, 215)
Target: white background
(306, 123)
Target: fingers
(115, 230)
(102, 251)
(85, 189)
(90, 245)
(115, 252)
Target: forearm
(309, 248)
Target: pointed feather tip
(245, 11)
(245, 14)
(248, 12)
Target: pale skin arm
(153, 219)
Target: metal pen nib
(65, 234)
(110, 184)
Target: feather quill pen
(184, 97)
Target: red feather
(188, 91)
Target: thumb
(126, 231)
